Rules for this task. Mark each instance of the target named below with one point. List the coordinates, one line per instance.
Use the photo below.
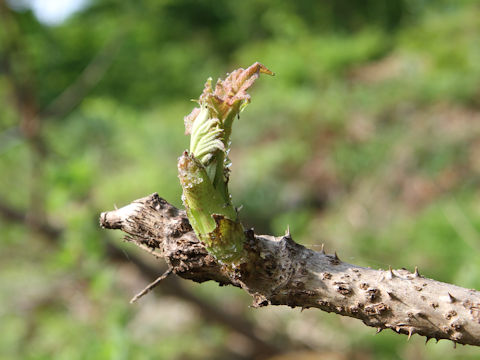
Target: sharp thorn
(287, 232)
(454, 344)
(410, 332)
(451, 297)
(379, 330)
(427, 339)
(322, 250)
(416, 273)
(397, 329)
(336, 256)
(390, 274)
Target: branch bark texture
(279, 271)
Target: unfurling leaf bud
(203, 172)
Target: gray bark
(282, 272)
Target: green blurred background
(366, 140)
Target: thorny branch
(281, 272)
(170, 286)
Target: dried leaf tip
(263, 69)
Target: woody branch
(282, 272)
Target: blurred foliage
(367, 140)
